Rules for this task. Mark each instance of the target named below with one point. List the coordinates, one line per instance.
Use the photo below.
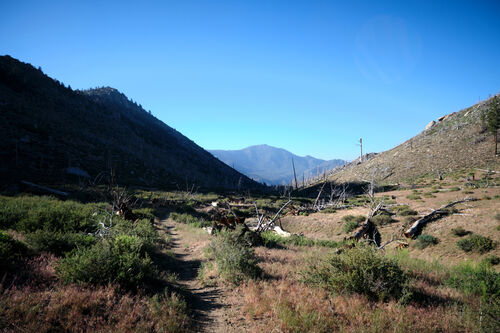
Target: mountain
(51, 134)
(273, 165)
(453, 143)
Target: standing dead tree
(416, 227)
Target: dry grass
(293, 307)
(76, 309)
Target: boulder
(429, 125)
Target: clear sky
(308, 76)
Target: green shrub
(11, 251)
(28, 214)
(492, 260)
(349, 226)
(144, 213)
(477, 279)
(143, 229)
(272, 240)
(404, 210)
(454, 189)
(382, 219)
(360, 270)
(353, 218)
(414, 197)
(58, 242)
(234, 259)
(460, 232)
(425, 240)
(120, 259)
(476, 243)
(190, 219)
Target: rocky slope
(454, 142)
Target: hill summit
(274, 165)
(52, 134)
(453, 142)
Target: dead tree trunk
(415, 229)
(368, 229)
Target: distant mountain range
(51, 134)
(272, 165)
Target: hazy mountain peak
(273, 165)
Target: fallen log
(44, 188)
(420, 223)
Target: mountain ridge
(47, 129)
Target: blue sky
(308, 76)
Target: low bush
(382, 219)
(57, 242)
(460, 232)
(234, 259)
(121, 259)
(404, 210)
(360, 270)
(414, 197)
(425, 240)
(272, 240)
(351, 222)
(190, 219)
(477, 279)
(144, 213)
(492, 260)
(476, 243)
(353, 218)
(28, 214)
(350, 226)
(143, 229)
(11, 251)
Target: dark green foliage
(425, 240)
(354, 218)
(29, 214)
(351, 222)
(120, 259)
(350, 226)
(234, 259)
(58, 242)
(359, 270)
(143, 229)
(382, 219)
(460, 232)
(11, 251)
(491, 260)
(476, 243)
(404, 210)
(144, 213)
(190, 219)
(273, 240)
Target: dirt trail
(206, 302)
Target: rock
(429, 125)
